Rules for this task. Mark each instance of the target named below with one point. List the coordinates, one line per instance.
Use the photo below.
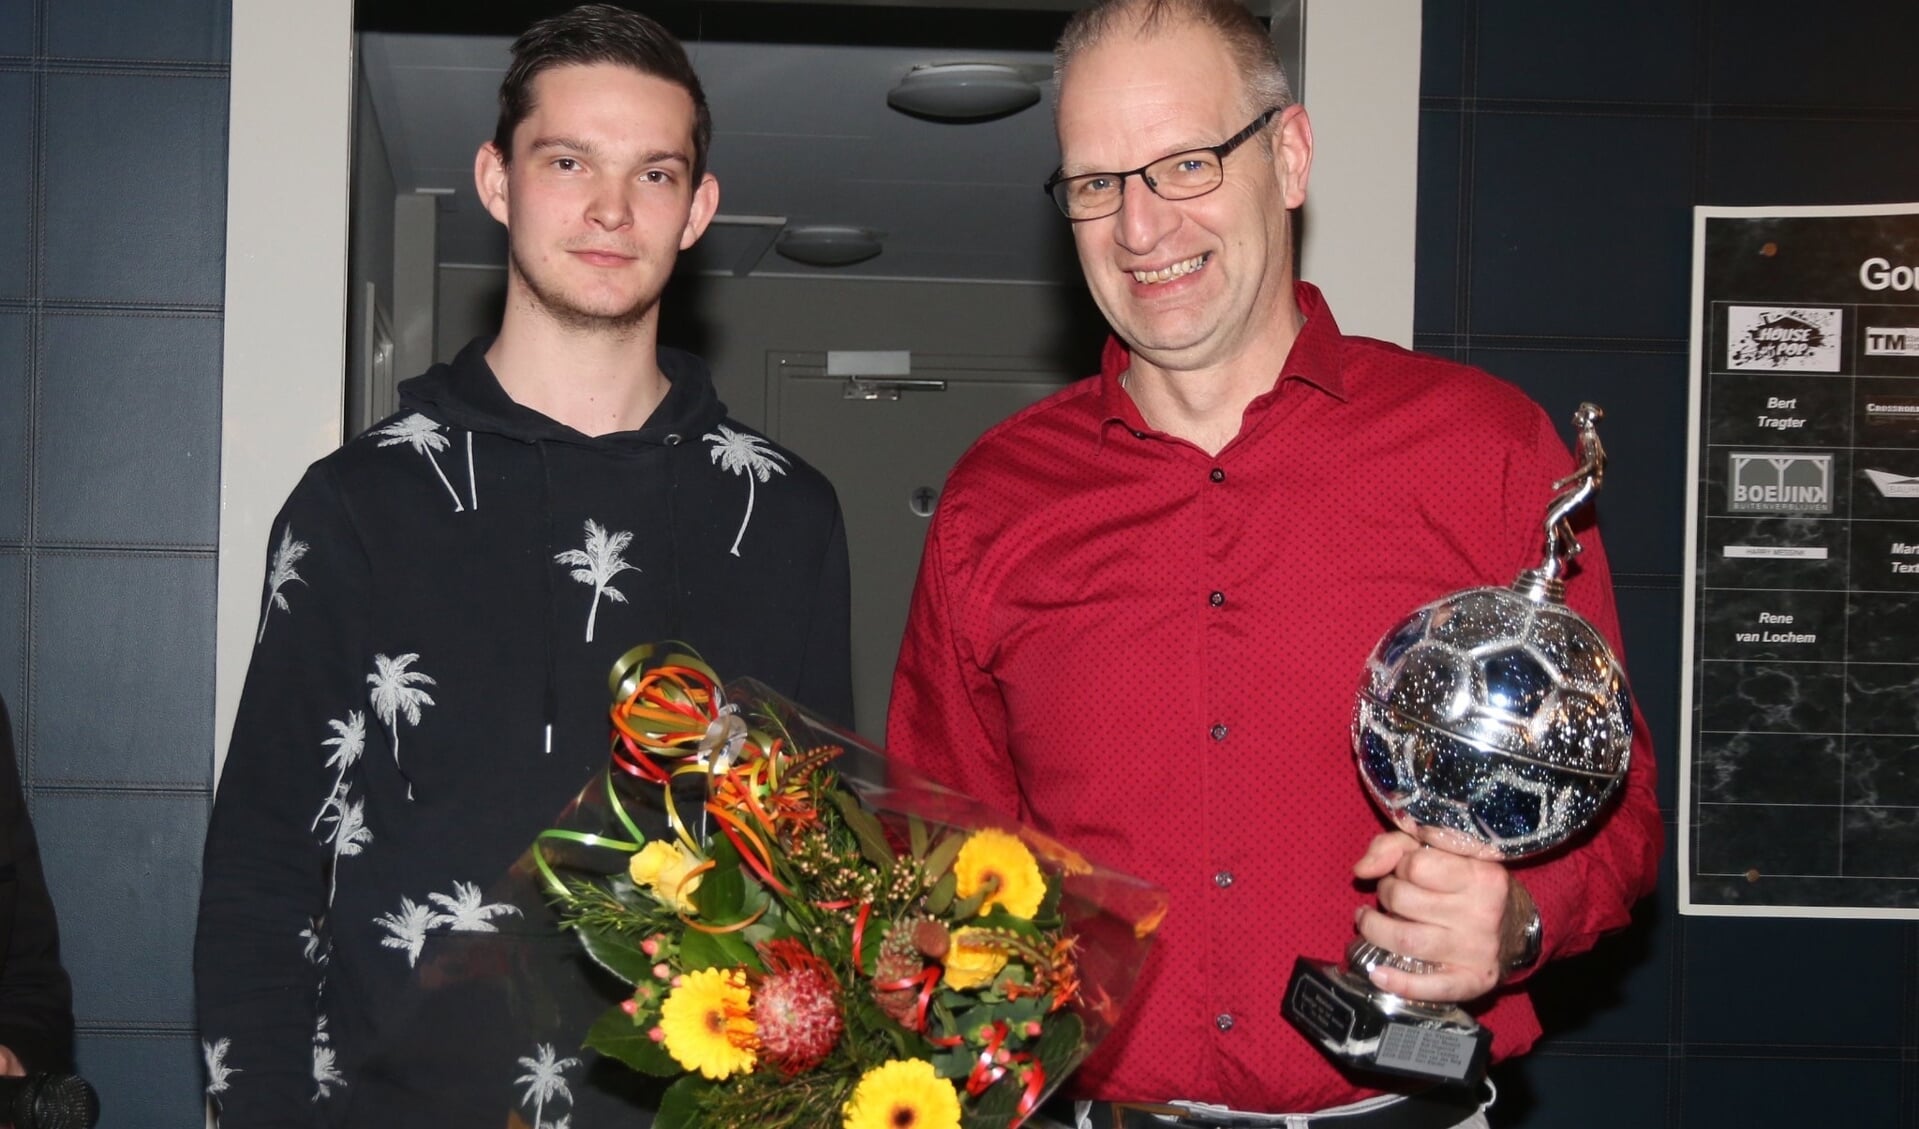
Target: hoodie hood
(467, 395)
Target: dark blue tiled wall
(112, 237)
(1562, 147)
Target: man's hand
(1465, 916)
(10, 1064)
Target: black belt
(1433, 1109)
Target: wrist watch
(1531, 936)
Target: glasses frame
(1221, 151)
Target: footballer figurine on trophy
(1495, 723)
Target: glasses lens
(1089, 196)
(1185, 175)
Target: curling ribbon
(995, 1061)
(556, 834)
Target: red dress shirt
(1151, 653)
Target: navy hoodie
(444, 597)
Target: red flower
(796, 1008)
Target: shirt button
(1223, 1021)
(1223, 879)
(1219, 732)
(1218, 475)
(1216, 599)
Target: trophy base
(1357, 1024)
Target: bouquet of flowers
(815, 937)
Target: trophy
(1494, 723)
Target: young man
(36, 999)
(445, 596)
(1145, 603)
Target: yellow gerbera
(973, 958)
(708, 1023)
(902, 1094)
(992, 855)
(662, 866)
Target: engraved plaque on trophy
(1495, 723)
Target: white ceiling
(801, 132)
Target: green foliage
(865, 828)
(700, 949)
(680, 1105)
(721, 897)
(616, 1036)
(616, 952)
(996, 1108)
(939, 860)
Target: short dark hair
(598, 33)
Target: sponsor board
(1776, 552)
(1894, 341)
(1892, 410)
(1778, 482)
(1787, 338)
(1893, 485)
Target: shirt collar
(1314, 360)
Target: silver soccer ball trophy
(1495, 723)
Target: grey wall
(370, 239)
(112, 235)
(1562, 147)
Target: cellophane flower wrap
(816, 937)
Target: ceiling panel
(802, 131)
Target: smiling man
(444, 597)
(1145, 603)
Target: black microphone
(48, 1101)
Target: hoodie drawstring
(550, 707)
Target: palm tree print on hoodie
(597, 565)
(279, 574)
(746, 454)
(423, 435)
(217, 1069)
(406, 928)
(394, 695)
(545, 1079)
(466, 911)
(348, 742)
(326, 1074)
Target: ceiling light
(958, 92)
(827, 244)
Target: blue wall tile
(144, 1081)
(129, 449)
(1442, 36)
(1620, 991)
(16, 27)
(1582, 1092)
(135, 187)
(1582, 226)
(1436, 244)
(129, 638)
(1649, 621)
(1595, 50)
(1755, 161)
(1741, 972)
(13, 645)
(14, 363)
(123, 869)
(1641, 512)
(173, 30)
(1775, 1092)
(1839, 53)
(16, 183)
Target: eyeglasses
(1180, 176)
